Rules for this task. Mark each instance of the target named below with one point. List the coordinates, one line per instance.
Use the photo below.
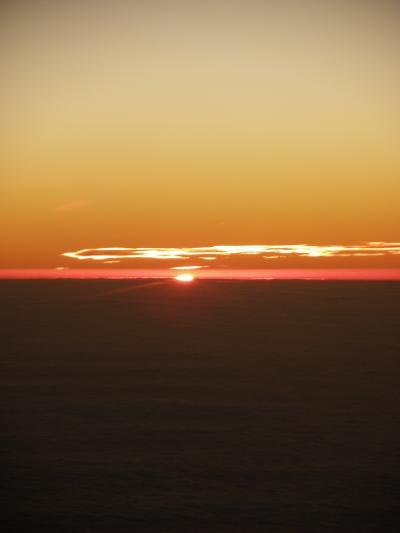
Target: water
(205, 407)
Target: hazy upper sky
(197, 123)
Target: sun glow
(185, 278)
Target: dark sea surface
(255, 406)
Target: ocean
(213, 406)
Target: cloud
(264, 251)
(194, 267)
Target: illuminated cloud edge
(264, 251)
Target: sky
(187, 125)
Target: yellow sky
(190, 124)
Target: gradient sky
(144, 124)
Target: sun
(185, 278)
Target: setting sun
(184, 278)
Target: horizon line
(333, 274)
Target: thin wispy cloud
(263, 251)
(194, 267)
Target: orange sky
(195, 124)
